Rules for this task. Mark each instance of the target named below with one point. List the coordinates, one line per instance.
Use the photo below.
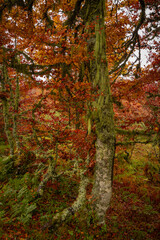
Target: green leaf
(70, 232)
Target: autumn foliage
(46, 97)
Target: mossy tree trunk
(11, 100)
(93, 13)
(103, 109)
(6, 114)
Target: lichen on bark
(103, 118)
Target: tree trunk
(6, 115)
(93, 13)
(103, 109)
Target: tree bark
(6, 114)
(103, 109)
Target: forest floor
(133, 214)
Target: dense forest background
(80, 119)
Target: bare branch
(130, 43)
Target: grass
(3, 149)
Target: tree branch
(131, 43)
(76, 206)
(133, 142)
(72, 16)
(134, 132)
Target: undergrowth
(133, 214)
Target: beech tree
(55, 32)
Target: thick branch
(72, 16)
(26, 5)
(133, 142)
(76, 206)
(134, 132)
